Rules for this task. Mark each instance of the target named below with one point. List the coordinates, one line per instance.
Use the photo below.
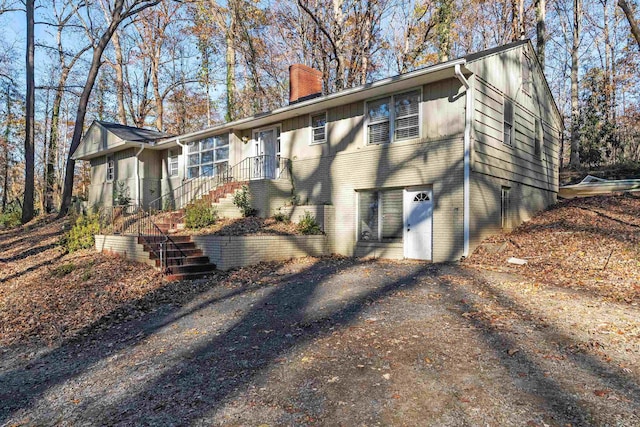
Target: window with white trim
(386, 124)
(111, 168)
(508, 133)
(505, 207)
(173, 162)
(319, 128)
(380, 216)
(207, 157)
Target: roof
(381, 87)
(132, 134)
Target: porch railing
(251, 168)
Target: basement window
(538, 139)
(380, 216)
(505, 207)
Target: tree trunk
(632, 20)
(7, 133)
(541, 30)
(96, 63)
(119, 67)
(29, 141)
(155, 82)
(339, 42)
(575, 112)
(230, 59)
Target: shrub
(82, 234)
(11, 219)
(242, 199)
(121, 195)
(63, 269)
(200, 214)
(308, 224)
(281, 216)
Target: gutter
(317, 102)
(467, 156)
(138, 198)
(184, 162)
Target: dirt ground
(331, 341)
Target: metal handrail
(251, 168)
(132, 220)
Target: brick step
(186, 276)
(190, 260)
(157, 239)
(192, 268)
(176, 253)
(172, 245)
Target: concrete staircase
(184, 261)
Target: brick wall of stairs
(184, 260)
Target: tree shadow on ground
(564, 406)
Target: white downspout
(467, 156)
(138, 198)
(184, 163)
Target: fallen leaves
(590, 245)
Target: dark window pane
(222, 153)
(368, 215)
(192, 172)
(207, 157)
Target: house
(422, 165)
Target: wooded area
(179, 66)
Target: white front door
(418, 219)
(266, 150)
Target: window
(538, 139)
(400, 122)
(380, 216)
(505, 207)
(319, 128)
(508, 136)
(526, 73)
(111, 166)
(208, 156)
(173, 162)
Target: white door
(418, 219)
(265, 160)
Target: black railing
(132, 220)
(251, 168)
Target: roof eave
(317, 104)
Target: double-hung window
(111, 167)
(319, 128)
(173, 162)
(394, 118)
(207, 157)
(380, 216)
(508, 133)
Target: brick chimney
(304, 83)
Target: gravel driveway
(339, 341)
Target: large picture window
(380, 216)
(394, 118)
(207, 157)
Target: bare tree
(541, 29)
(575, 108)
(631, 18)
(29, 140)
(120, 10)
